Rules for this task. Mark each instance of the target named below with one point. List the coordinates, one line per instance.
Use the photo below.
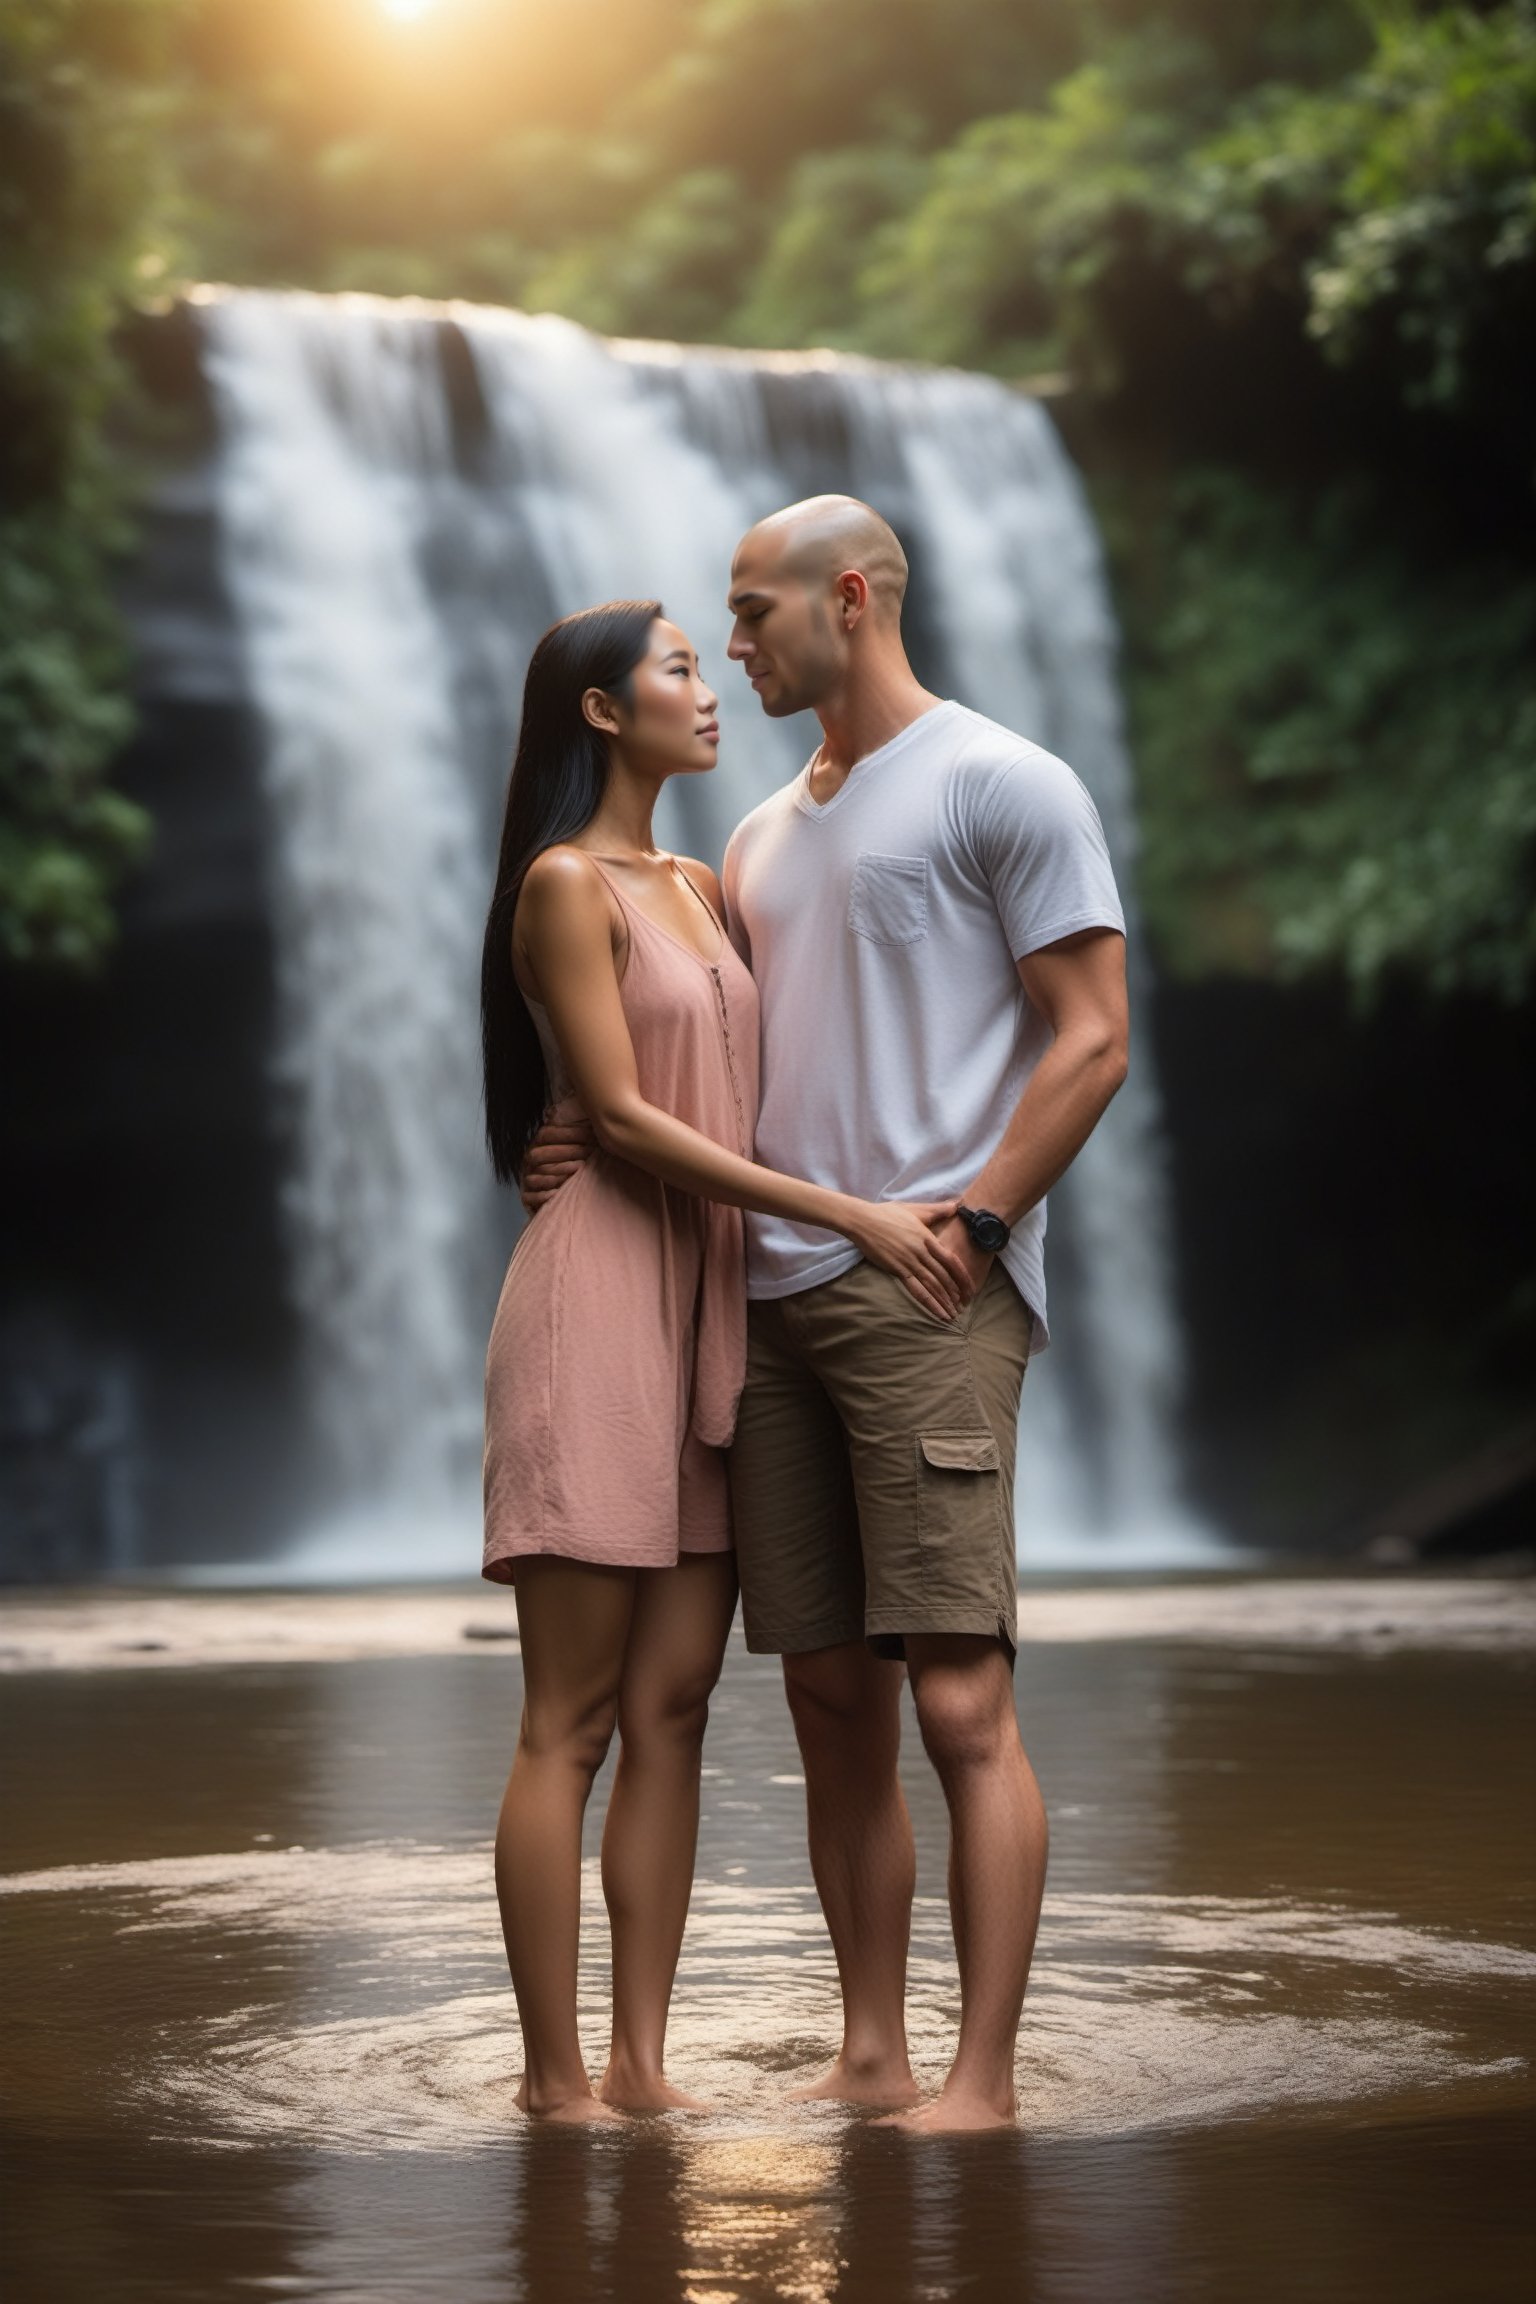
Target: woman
(609, 987)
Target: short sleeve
(1036, 836)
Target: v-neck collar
(816, 809)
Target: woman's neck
(622, 825)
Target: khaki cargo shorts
(872, 1469)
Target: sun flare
(407, 11)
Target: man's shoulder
(989, 758)
(763, 817)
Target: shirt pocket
(888, 899)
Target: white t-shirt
(883, 929)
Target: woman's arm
(563, 932)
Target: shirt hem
(832, 1267)
(1072, 925)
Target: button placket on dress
(730, 1056)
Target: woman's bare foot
(883, 2086)
(631, 2091)
(955, 2112)
(576, 2107)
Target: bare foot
(883, 2086)
(568, 2109)
(647, 2092)
(954, 2112)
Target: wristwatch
(988, 1232)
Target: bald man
(932, 921)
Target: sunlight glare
(407, 11)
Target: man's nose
(738, 648)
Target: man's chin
(780, 706)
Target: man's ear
(600, 712)
(852, 597)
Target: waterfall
(408, 494)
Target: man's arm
(1078, 986)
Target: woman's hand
(899, 1236)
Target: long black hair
(559, 775)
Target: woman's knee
(577, 1734)
(669, 1719)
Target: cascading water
(408, 495)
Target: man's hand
(560, 1151)
(954, 1237)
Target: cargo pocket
(959, 1499)
(888, 899)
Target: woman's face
(669, 722)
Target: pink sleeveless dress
(618, 1349)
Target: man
(931, 917)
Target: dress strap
(607, 879)
(633, 911)
(629, 910)
(688, 882)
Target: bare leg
(676, 1645)
(846, 1705)
(964, 1695)
(574, 1621)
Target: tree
(79, 190)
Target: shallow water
(1279, 2042)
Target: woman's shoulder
(564, 874)
(564, 892)
(704, 878)
(563, 866)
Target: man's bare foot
(884, 2087)
(646, 2092)
(568, 2109)
(954, 2112)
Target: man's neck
(870, 708)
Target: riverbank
(96, 1628)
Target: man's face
(786, 635)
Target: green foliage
(1395, 212)
(79, 109)
(1009, 260)
(837, 212)
(673, 270)
(1337, 745)
(1283, 250)
(1404, 201)
(65, 837)
(757, 85)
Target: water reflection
(658, 2214)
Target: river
(1278, 2043)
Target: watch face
(989, 1233)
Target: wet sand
(258, 2040)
